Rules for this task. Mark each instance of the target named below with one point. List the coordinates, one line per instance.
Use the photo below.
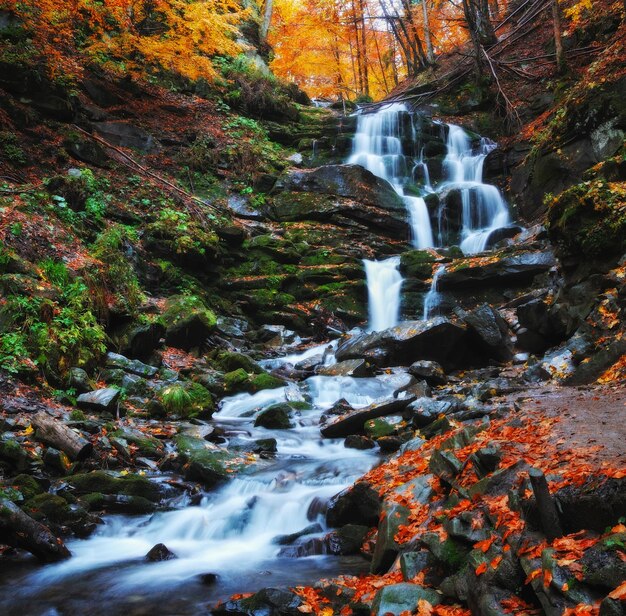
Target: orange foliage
(126, 36)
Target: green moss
(49, 506)
(237, 380)
(77, 415)
(186, 399)
(589, 219)
(377, 428)
(228, 361)
(265, 381)
(417, 264)
(101, 481)
(180, 307)
(27, 485)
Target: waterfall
(483, 208)
(433, 297)
(383, 288)
(377, 146)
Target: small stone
(159, 553)
(99, 400)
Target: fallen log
(56, 433)
(19, 530)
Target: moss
(453, 554)
(589, 219)
(49, 506)
(186, 399)
(417, 264)
(179, 307)
(106, 483)
(27, 485)
(265, 381)
(377, 428)
(228, 361)
(236, 380)
(77, 415)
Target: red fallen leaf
(481, 569)
(565, 587)
(424, 608)
(547, 578)
(619, 592)
(495, 563)
(484, 545)
(533, 575)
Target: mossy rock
(107, 483)
(275, 417)
(13, 453)
(186, 399)
(207, 463)
(132, 505)
(589, 219)
(146, 444)
(402, 598)
(228, 361)
(417, 264)
(50, 507)
(188, 320)
(265, 381)
(27, 485)
(376, 428)
(240, 381)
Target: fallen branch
(511, 112)
(56, 433)
(20, 531)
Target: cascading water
(384, 283)
(483, 208)
(377, 146)
(233, 531)
(433, 297)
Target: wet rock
(602, 565)
(467, 527)
(386, 550)
(208, 579)
(350, 367)
(486, 460)
(269, 602)
(207, 463)
(100, 400)
(134, 366)
(159, 553)
(103, 482)
(357, 441)
(490, 331)
(351, 181)
(498, 482)
(293, 537)
(262, 445)
(445, 465)
(377, 428)
(434, 428)
(611, 607)
(437, 339)
(402, 598)
(359, 504)
(498, 271)
(354, 422)
(188, 322)
(347, 540)
(425, 411)
(275, 417)
(430, 371)
(411, 563)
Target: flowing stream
(232, 532)
(383, 288)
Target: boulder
(402, 598)
(134, 366)
(100, 400)
(139, 341)
(359, 504)
(126, 135)
(348, 539)
(159, 553)
(430, 371)
(496, 270)
(188, 322)
(351, 181)
(350, 367)
(490, 331)
(275, 417)
(438, 339)
(354, 421)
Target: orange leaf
(533, 575)
(483, 546)
(496, 562)
(619, 592)
(481, 568)
(547, 578)
(424, 608)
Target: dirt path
(590, 417)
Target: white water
(377, 146)
(384, 283)
(484, 210)
(232, 532)
(433, 297)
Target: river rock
(350, 367)
(351, 181)
(159, 553)
(275, 417)
(139, 341)
(359, 504)
(424, 411)
(402, 598)
(353, 422)
(269, 601)
(490, 331)
(497, 271)
(357, 441)
(438, 339)
(347, 540)
(134, 366)
(100, 400)
(430, 371)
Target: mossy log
(20, 530)
(56, 433)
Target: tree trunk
(267, 19)
(366, 78)
(561, 65)
(20, 531)
(56, 433)
(430, 54)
